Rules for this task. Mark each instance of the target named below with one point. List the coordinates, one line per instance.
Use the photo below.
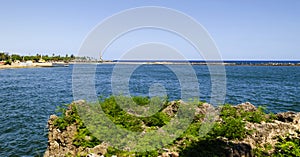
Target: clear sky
(256, 29)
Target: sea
(29, 96)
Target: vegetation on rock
(287, 147)
(222, 139)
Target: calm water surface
(29, 96)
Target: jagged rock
(51, 119)
(241, 150)
(94, 155)
(267, 133)
(60, 142)
(286, 116)
(172, 109)
(203, 109)
(247, 106)
(170, 154)
(99, 149)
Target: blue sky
(256, 29)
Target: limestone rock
(172, 109)
(247, 106)
(287, 116)
(60, 142)
(267, 133)
(170, 154)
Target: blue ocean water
(29, 96)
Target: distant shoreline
(175, 62)
(33, 65)
(196, 62)
(16, 66)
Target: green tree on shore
(15, 57)
(4, 56)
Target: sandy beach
(16, 66)
(33, 65)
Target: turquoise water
(30, 96)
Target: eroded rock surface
(60, 142)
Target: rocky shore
(262, 140)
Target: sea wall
(261, 140)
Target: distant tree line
(4, 56)
(8, 59)
(14, 57)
